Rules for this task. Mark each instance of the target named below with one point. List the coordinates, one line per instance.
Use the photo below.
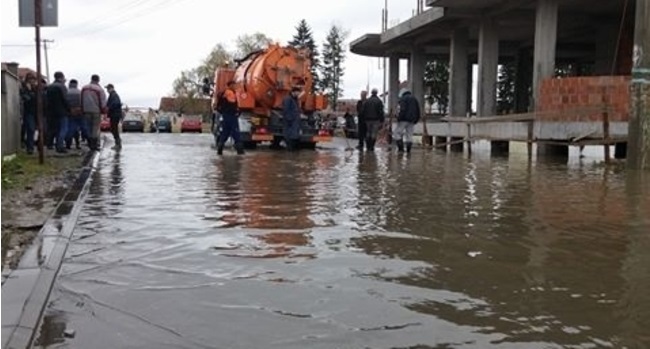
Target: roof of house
(185, 105)
(22, 71)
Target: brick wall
(581, 98)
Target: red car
(105, 125)
(191, 124)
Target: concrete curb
(27, 288)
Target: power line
(116, 12)
(126, 16)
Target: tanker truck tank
(262, 80)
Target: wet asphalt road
(178, 248)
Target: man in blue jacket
(291, 119)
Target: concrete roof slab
(368, 45)
(412, 25)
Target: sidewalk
(40, 205)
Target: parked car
(132, 123)
(164, 124)
(105, 124)
(191, 124)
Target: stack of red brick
(584, 98)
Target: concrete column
(488, 69)
(416, 75)
(620, 150)
(544, 57)
(638, 156)
(523, 80)
(488, 64)
(458, 62)
(470, 85)
(393, 81)
(545, 44)
(459, 79)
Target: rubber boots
(409, 145)
(93, 144)
(240, 148)
(371, 144)
(400, 146)
(220, 148)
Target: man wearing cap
(77, 121)
(58, 110)
(114, 106)
(93, 103)
(409, 115)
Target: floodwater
(178, 248)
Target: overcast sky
(142, 45)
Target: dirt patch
(30, 193)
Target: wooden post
(531, 134)
(606, 138)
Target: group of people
(70, 114)
(370, 113)
(371, 117)
(228, 108)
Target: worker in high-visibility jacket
(227, 107)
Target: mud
(25, 209)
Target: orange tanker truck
(263, 79)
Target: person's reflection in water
(116, 182)
(116, 175)
(228, 185)
(369, 192)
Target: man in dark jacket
(227, 106)
(361, 123)
(77, 122)
(28, 98)
(409, 115)
(373, 114)
(291, 119)
(58, 110)
(114, 106)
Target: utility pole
(384, 27)
(638, 156)
(38, 21)
(47, 61)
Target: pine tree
(303, 39)
(506, 88)
(332, 68)
(436, 78)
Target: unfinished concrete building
(590, 40)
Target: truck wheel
(250, 145)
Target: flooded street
(179, 248)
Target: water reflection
(323, 250)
